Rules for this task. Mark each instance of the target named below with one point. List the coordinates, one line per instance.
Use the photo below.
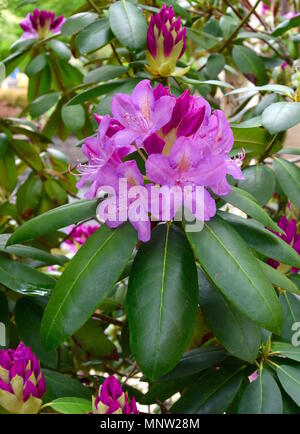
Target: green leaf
(28, 316)
(8, 171)
(56, 192)
(24, 279)
(211, 394)
(94, 92)
(27, 153)
(290, 151)
(29, 196)
(43, 103)
(262, 396)
(286, 25)
(289, 377)
(259, 181)
(262, 240)
(128, 24)
(227, 260)
(71, 405)
(278, 279)
(162, 301)
(60, 385)
(240, 336)
(276, 88)
(54, 219)
(203, 39)
(291, 313)
(60, 49)
(92, 339)
(249, 62)
(78, 22)
(254, 141)
(195, 361)
(85, 282)
(36, 65)
(215, 64)
(286, 350)
(104, 73)
(4, 322)
(288, 175)
(247, 203)
(30, 252)
(280, 116)
(73, 116)
(94, 36)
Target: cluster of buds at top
(166, 42)
(22, 383)
(40, 23)
(112, 400)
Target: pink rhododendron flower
(79, 235)
(112, 400)
(40, 23)
(22, 383)
(290, 237)
(185, 148)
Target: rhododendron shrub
(153, 265)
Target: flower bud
(166, 42)
(112, 400)
(40, 23)
(22, 383)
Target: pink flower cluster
(182, 142)
(290, 237)
(112, 400)
(78, 235)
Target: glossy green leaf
(259, 181)
(162, 301)
(240, 336)
(85, 282)
(250, 63)
(279, 279)
(24, 279)
(54, 219)
(56, 192)
(128, 24)
(262, 240)
(71, 405)
(254, 141)
(289, 377)
(215, 64)
(276, 88)
(78, 22)
(291, 313)
(8, 171)
(233, 269)
(28, 154)
(29, 196)
(43, 103)
(104, 73)
(73, 116)
(94, 36)
(212, 394)
(28, 316)
(286, 25)
(60, 49)
(36, 65)
(280, 116)
(286, 350)
(288, 175)
(262, 396)
(94, 92)
(247, 203)
(204, 39)
(195, 361)
(61, 385)
(30, 252)
(93, 340)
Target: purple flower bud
(166, 42)
(40, 23)
(111, 399)
(22, 384)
